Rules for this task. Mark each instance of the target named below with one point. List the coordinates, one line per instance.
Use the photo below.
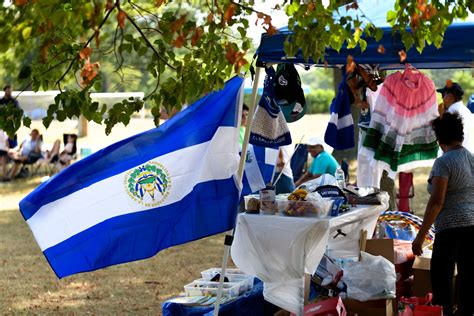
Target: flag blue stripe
(143, 234)
(186, 129)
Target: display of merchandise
(340, 130)
(400, 136)
(367, 174)
(269, 128)
(289, 95)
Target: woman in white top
(3, 153)
(452, 101)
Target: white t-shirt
(68, 148)
(287, 152)
(467, 119)
(3, 140)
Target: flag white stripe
(271, 156)
(187, 167)
(252, 171)
(342, 122)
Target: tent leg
(240, 174)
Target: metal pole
(240, 174)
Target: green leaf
(242, 31)
(26, 121)
(391, 17)
(407, 40)
(378, 34)
(363, 44)
(98, 86)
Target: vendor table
(279, 250)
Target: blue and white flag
(259, 168)
(160, 188)
(340, 131)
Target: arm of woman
(434, 206)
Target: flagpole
(240, 174)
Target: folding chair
(406, 191)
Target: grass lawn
(29, 286)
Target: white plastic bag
(371, 278)
(322, 205)
(324, 179)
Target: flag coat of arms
(164, 187)
(259, 168)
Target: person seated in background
(4, 145)
(67, 155)
(243, 123)
(8, 98)
(29, 152)
(62, 159)
(323, 162)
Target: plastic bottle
(340, 178)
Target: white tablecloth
(279, 250)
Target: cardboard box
(383, 307)
(381, 247)
(421, 276)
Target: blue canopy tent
(457, 51)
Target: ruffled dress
(400, 137)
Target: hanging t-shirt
(323, 163)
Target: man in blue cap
(452, 101)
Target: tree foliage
(188, 47)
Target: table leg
(307, 285)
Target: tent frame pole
(240, 174)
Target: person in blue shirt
(323, 162)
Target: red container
(424, 310)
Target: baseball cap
(313, 141)
(453, 88)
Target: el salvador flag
(340, 131)
(259, 168)
(160, 188)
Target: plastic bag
(371, 278)
(322, 205)
(324, 179)
(328, 271)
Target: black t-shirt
(5, 101)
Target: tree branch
(86, 44)
(148, 42)
(144, 10)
